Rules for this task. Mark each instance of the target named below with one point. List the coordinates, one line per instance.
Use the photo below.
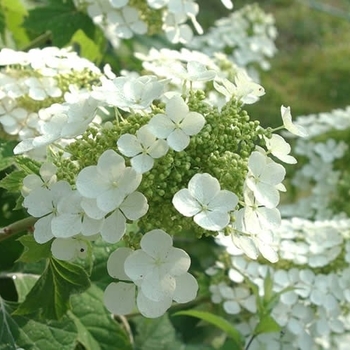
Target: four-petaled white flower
(289, 125)
(177, 125)
(159, 275)
(244, 89)
(204, 200)
(263, 178)
(109, 182)
(143, 147)
(278, 147)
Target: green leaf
(267, 325)
(2, 21)
(155, 334)
(14, 13)
(28, 165)
(88, 48)
(61, 18)
(34, 251)
(31, 334)
(219, 322)
(50, 295)
(23, 283)
(96, 328)
(13, 181)
(6, 147)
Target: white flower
(42, 203)
(114, 226)
(263, 178)
(41, 88)
(199, 72)
(228, 4)
(177, 125)
(244, 89)
(288, 124)
(71, 220)
(278, 147)
(109, 182)
(257, 218)
(143, 148)
(159, 272)
(125, 92)
(161, 269)
(204, 200)
(46, 179)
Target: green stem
(17, 227)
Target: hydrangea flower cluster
(252, 44)
(170, 163)
(312, 270)
(321, 181)
(123, 19)
(40, 92)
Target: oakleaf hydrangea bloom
(143, 147)
(158, 270)
(206, 202)
(177, 124)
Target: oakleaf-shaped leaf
(30, 334)
(33, 251)
(96, 328)
(61, 18)
(50, 295)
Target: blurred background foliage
(311, 71)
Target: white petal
(186, 288)
(89, 182)
(115, 263)
(129, 145)
(231, 307)
(288, 124)
(142, 163)
(158, 149)
(224, 201)
(204, 187)
(152, 309)
(119, 298)
(158, 287)
(134, 206)
(176, 108)
(178, 140)
(42, 229)
(64, 249)
(138, 265)
(156, 242)
(212, 220)
(113, 227)
(161, 126)
(66, 225)
(184, 203)
(193, 123)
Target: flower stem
(17, 227)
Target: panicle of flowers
(312, 272)
(321, 180)
(252, 44)
(170, 162)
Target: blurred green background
(311, 71)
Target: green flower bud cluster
(220, 149)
